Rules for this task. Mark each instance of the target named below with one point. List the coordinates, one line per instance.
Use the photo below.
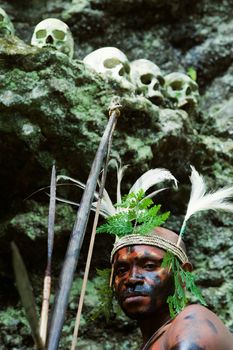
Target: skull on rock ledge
(147, 79)
(182, 90)
(54, 33)
(111, 62)
(6, 26)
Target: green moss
(34, 223)
(142, 150)
(14, 330)
(12, 45)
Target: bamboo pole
(77, 236)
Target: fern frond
(118, 224)
(137, 215)
(182, 279)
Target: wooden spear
(91, 247)
(77, 235)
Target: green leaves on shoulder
(137, 214)
(183, 281)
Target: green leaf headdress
(135, 213)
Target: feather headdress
(152, 177)
(201, 200)
(136, 212)
(144, 183)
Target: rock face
(54, 109)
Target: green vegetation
(137, 214)
(183, 280)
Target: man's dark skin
(142, 288)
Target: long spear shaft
(47, 279)
(77, 236)
(91, 247)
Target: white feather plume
(106, 207)
(200, 200)
(76, 182)
(151, 178)
(93, 206)
(147, 180)
(120, 173)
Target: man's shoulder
(196, 327)
(193, 313)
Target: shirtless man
(142, 288)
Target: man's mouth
(133, 295)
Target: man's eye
(121, 270)
(150, 266)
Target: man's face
(141, 285)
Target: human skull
(182, 90)
(147, 79)
(111, 62)
(6, 26)
(54, 33)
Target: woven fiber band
(152, 240)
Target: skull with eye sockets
(182, 90)
(147, 79)
(110, 62)
(6, 26)
(54, 33)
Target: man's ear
(187, 266)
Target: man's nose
(134, 278)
